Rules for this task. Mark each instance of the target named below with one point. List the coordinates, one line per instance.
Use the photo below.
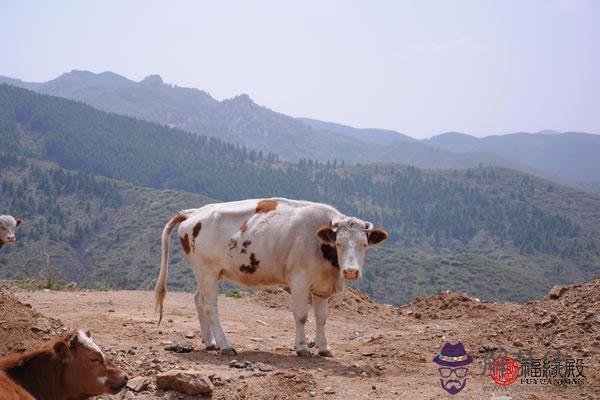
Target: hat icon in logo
(452, 360)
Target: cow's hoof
(229, 352)
(211, 347)
(326, 353)
(304, 353)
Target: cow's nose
(351, 274)
(11, 239)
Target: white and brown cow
(310, 247)
(8, 226)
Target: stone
(552, 318)
(138, 384)
(179, 348)
(556, 291)
(190, 335)
(191, 382)
(329, 390)
(41, 325)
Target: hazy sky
(419, 67)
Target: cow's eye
(364, 245)
(96, 360)
(2, 228)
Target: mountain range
(95, 188)
(570, 158)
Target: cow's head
(8, 226)
(87, 372)
(349, 239)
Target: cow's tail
(160, 290)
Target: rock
(71, 285)
(189, 381)
(190, 335)
(417, 315)
(517, 343)
(368, 354)
(179, 348)
(557, 291)
(138, 384)
(111, 310)
(329, 390)
(41, 325)
(552, 318)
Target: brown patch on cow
(185, 243)
(330, 254)
(196, 230)
(244, 227)
(265, 206)
(232, 244)
(250, 269)
(245, 245)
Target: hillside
(496, 233)
(571, 156)
(98, 232)
(241, 121)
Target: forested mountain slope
(496, 233)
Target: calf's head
(8, 226)
(86, 370)
(349, 239)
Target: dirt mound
(273, 297)
(567, 320)
(21, 327)
(447, 305)
(355, 301)
(350, 299)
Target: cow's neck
(39, 374)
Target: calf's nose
(351, 274)
(11, 239)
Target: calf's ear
(18, 221)
(375, 236)
(326, 234)
(61, 349)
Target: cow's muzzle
(10, 239)
(351, 274)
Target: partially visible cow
(8, 226)
(72, 367)
(310, 247)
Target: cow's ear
(61, 349)
(326, 234)
(73, 340)
(19, 222)
(375, 236)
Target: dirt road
(380, 351)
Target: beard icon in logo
(453, 361)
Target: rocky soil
(380, 351)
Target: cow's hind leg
(320, 307)
(208, 287)
(300, 293)
(207, 336)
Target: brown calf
(71, 368)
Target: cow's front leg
(300, 294)
(320, 306)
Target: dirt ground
(380, 351)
